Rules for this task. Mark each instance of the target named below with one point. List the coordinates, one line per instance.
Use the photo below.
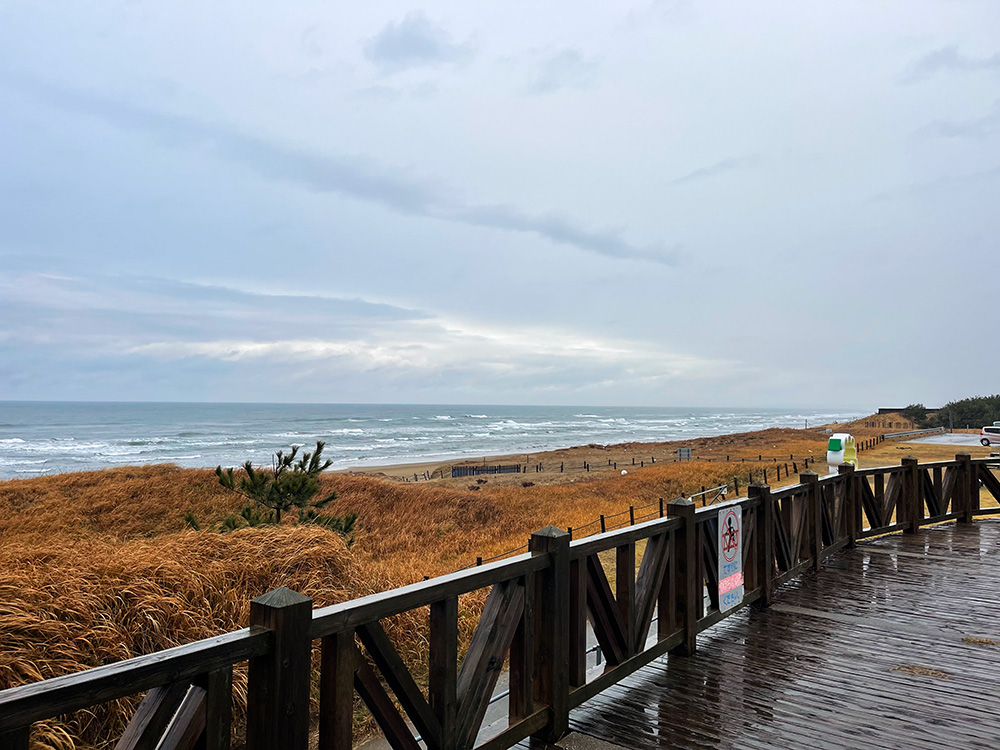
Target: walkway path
(895, 644)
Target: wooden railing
(542, 609)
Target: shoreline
(591, 460)
(42, 440)
(594, 459)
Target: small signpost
(730, 558)
(683, 453)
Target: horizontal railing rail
(632, 593)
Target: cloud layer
(681, 204)
(355, 177)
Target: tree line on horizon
(975, 411)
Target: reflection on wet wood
(891, 644)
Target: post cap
(281, 597)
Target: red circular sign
(729, 535)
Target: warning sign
(730, 558)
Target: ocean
(54, 437)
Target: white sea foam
(59, 438)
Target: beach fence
(542, 608)
(680, 454)
(474, 471)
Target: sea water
(54, 437)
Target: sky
(664, 203)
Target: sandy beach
(578, 463)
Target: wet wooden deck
(895, 644)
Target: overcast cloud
(629, 203)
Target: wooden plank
(591, 545)
(798, 515)
(443, 664)
(398, 677)
(16, 739)
(750, 569)
(521, 702)
(577, 622)
(22, 706)
(782, 543)
(715, 617)
(374, 607)
(218, 686)
(649, 581)
(336, 690)
(827, 511)
(667, 621)
(870, 506)
(485, 657)
(882, 500)
(810, 539)
(625, 592)
(615, 675)
(884, 530)
(929, 491)
(990, 482)
(514, 733)
(605, 617)
(151, 718)
(397, 734)
(891, 500)
(188, 724)
(708, 559)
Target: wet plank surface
(893, 645)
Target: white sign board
(730, 558)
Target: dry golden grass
(98, 566)
(78, 603)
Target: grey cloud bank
(638, 203)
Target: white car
(990, 435)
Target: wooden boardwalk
(895, 644)
(892, 643)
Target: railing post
(912, 502)
(552, 641)
(852, 508)
(685, 572)
(218, 686)
(278, 681)
(15, 739)
(970, 487)
(765, 542)
(814, 522)
(336, 690)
